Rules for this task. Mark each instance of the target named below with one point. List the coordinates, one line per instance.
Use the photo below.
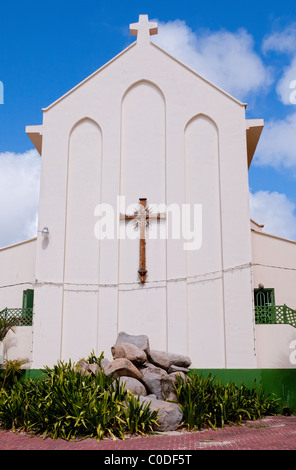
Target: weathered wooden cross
(142, 217)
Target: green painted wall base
(280, 382)
(32, 374)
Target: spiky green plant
(206, 402)
(6, 324)
(11, 371)
(65, 404)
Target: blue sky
(248, 48)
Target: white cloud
(230, 61)
(226, 59)
(19, 195)
(276, 211)
(283, 42)
(276, 146)
(285, 85)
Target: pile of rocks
(149, 374)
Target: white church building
(144, 224)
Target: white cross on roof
(143, 29)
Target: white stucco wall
(144, 126)
(18, 345)
(276, 346)
(274, 266)
(17, 272)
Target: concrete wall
(144, 126)
(18, 345)
(274, 265)
(276, 346)
(17, 272)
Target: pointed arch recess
(202, 172)
(143, 175)
(83, 194)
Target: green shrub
(64, 404)
(207, 403)
(11, 371)
(6, 324)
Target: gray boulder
(104, 363)
(141, 341)
(94, 368)
(82, 367)
(133, 385)
(167, 360)
(158, 382)
(122, 367)
(174, 368)
(169, 415)
(173, 376)
(129, 351)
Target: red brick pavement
(270, 433)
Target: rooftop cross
(143, 29)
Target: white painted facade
(17, 272)
(145, 126)
(274, 266)
(276, 346)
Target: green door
(28, 298)
(264, 297)
(264, 306)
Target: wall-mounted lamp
(45, 232)
(261, 286)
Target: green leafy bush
(11, 371)
(208, 403)
(64, 404)
(6, 324)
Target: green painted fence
(275, 314)
(23, 316)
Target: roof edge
(256, 223)
(200, 76)
(270, 235)
(35, 135)
(18, 244)
(89, 77)
(254, 128)
(240, 103)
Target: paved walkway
(270, 433)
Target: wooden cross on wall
(142, 217)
